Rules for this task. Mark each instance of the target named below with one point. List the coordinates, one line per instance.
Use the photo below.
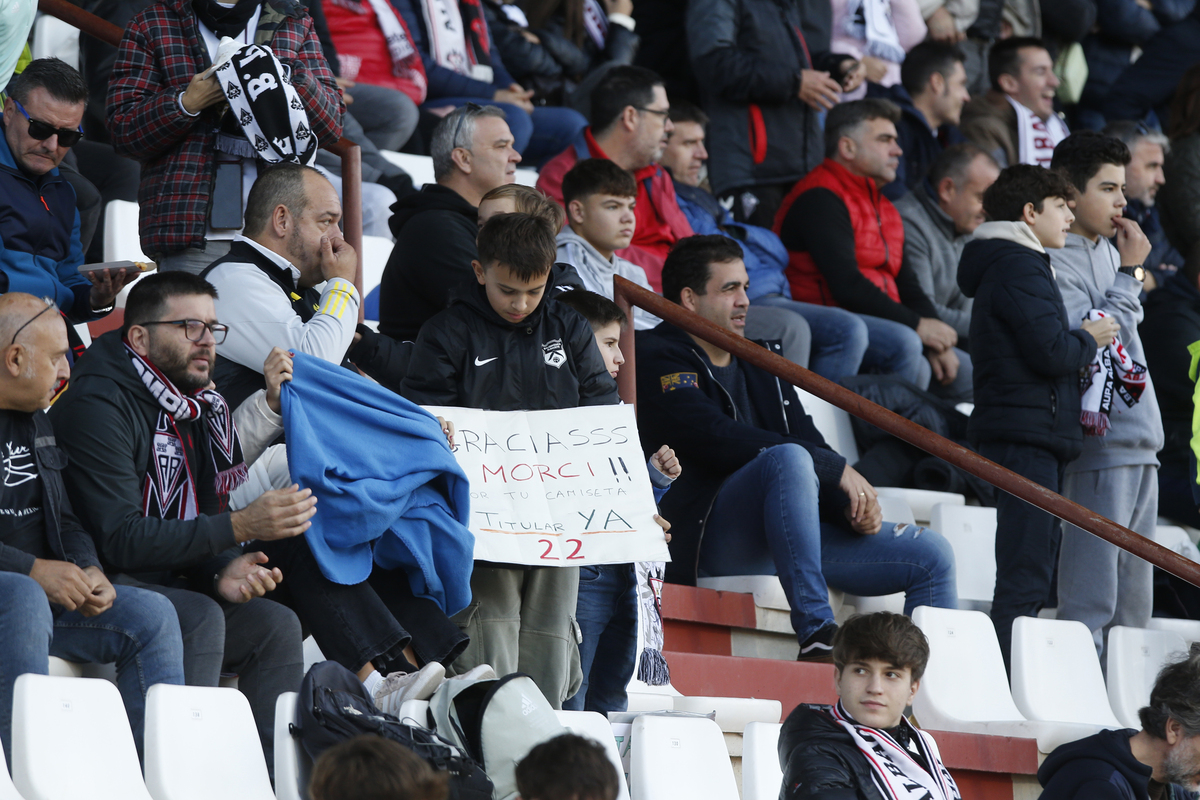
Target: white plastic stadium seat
(922, 501)
(54, 38)
(121, 238)
(761, 773)
(192, 729)
(85, 717)
(290, 758)
(419, 168)
(679, 757)
(594, 726)
(1056, 673)
(1134, 658)
(7, 790)
(526, 176)
(971, 531)
(376, 251)
(1189, 629)
(733, 714)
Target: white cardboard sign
(557, 488)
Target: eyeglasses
(471, 109)
(49, 305)
(663, 114)
(194, 328)
(44, 130)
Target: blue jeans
(765, 520)
(139, 632)
(895, 349)
(839, 338)
(608, 618)
(539, 136)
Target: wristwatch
(1138, 271)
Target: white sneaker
(400, 687)
(483, 672)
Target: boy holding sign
(500, 347)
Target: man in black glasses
(40, 251)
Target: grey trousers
(1100, 584)
(791, 329)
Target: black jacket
(680, 403)
(105, 422)
(66, 540)
(1100, 767)
(1172, 323)
(1027, 359)
(820, 760)
(470, 356)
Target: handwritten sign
(557, 488)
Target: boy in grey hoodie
(1117, 474)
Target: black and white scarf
(458, 37)
(267, 107)
(170, 490)
(897, 775)
(652, 666)
(1112, 372)
(870, 22)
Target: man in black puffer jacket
(1027, 364)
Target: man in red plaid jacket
(163, 114)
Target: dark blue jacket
(920, 143)
(1100, 767)
(443, 81)
(680, 403)
(1026, 357)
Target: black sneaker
(819, 646)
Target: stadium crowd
(990, 207)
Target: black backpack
(334, 706)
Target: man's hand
(244, 579)
(869, 522)
(448, 430)
(936, 335)
(516, 95)
(1132, 244)
(63, 582)
(945, 366)
(102, 594)
(874, 68)
(202, 93)
(338, 259)
(855, 72)
(277, 514)
(819, 90)
(666, 526)
(1103, 330)
(106, 285)
(942, 28)
(619, 7)
(861, 493)
(344, 84)
(666, 462)
(277, 369)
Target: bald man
(57, 600)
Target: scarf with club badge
(897, 775)
(870, 22)
(1112, 371)
(267, 107)
(1036, 140)
(458, 37)
(170, 491)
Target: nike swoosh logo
(480, 363)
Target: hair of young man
(924, 60)
(1005, 57)
(688, 264)
(60, 80)
(369, 767)
(597, 309)
(521, 242)
(528, 200)
(281, 185)
(449, 135)
(567, 767)
(845, 119)
(148, 298)
(1020, 184)
(955, 161)
(1081, 155)
(1176, 695)
(891, 638)
(620, 88)
(687, 111)
(1184, 116)
(597, 176)
(1132, 132)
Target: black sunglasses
(44, 130)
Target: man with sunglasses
(40, 249)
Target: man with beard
(1161, 761)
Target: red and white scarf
(406, 61)
(458, 37)
(1036, 139)
(1112, 372)
(897, 774)
(170, 490)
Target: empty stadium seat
(376, 251)
(71, 741)
(971, 531)
(1056, 673)
(594, 726)
(642, 702)
(419, 168)
(761, 773)
(53, 38)
(1189, 629)
(291, 762)
(190, 730)
(679, 757)
(121, 238)
(733, 714)
(1134, 658)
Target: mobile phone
(225, 209)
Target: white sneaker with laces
(483, 672)
(399, 687)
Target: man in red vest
(845, 244)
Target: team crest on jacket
(554, 353)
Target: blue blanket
(388, 489)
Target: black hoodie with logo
(1100, 767)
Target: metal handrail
(349, 152)
(628, 294)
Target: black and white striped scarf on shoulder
(897, 774)
(267, 107)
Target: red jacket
(660, 220)
(878, 234)
(160, 52)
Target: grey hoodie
(1087, 276)
(933, 248)
(597, 272)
